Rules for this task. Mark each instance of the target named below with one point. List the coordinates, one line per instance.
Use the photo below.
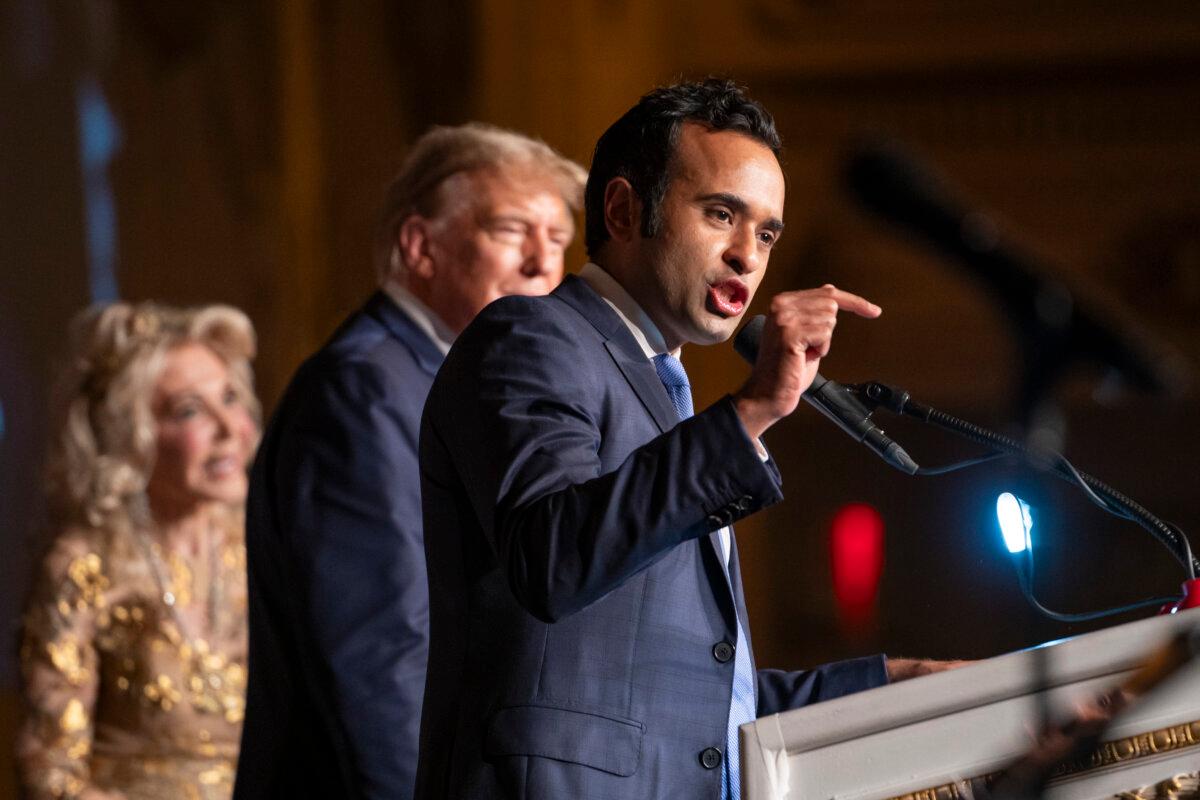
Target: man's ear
(622, 210)
(414, 241)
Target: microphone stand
(898, 401)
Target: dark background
(256, 138)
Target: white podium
(937, 737)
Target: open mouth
(728, 298)
(222, 467)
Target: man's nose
(540, 253)
(743, 253)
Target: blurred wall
(257, 138)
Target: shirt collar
(421, 315)
(648, 337)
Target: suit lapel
(644, 380)
(391, 316)
(624, 349)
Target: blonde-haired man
(338, 598)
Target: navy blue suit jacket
(338, 604)
(577, 592)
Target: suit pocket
(609, 744)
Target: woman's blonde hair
(103, 453)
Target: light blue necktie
(742, 707)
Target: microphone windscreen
(747, 339)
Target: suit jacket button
(710, 758)
(723, 651)
(745, 503)
(716, 522)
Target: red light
(856, 550)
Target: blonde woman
(134, 644)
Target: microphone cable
(1106, 497)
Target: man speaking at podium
(588, 631)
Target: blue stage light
(1015, 522)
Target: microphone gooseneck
(834, 401)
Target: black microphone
(834, 401)
(1058, 324)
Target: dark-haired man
(588, 631)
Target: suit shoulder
(516, 344)
(365, 340)
(371, 362)
(326, 373)
(513, 307)
(527, 318)
(338, 389)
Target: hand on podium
(901, 669)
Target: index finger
(855, 304)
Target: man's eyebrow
(525, 219)
(739, 206)
(734, 202)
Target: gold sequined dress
(120, 702)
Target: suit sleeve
(780, 691)
(348, 494)
(522, 406)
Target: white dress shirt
(421, 315)
(638, 322)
